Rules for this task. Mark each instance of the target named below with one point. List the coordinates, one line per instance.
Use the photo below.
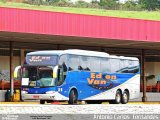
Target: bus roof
(78, 52)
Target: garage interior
(14, 47)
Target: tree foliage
(150, 4)
(130, 4)
(108, 3)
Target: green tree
(3, 1)
(130, 4)
(150, 4)
(108, 3)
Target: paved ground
(80, 109)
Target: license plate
(36, 96)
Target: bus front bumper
(55, 96)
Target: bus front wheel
(42, 101)
(73, 97)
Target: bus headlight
(24, 92)
(50, 92)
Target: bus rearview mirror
(17, 71)
(55, 72)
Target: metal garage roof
(66, 24)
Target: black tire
(111, 102)
(94, 102)
(73, 97)
(125, 97)
(42, 101)
(49, 101)
(118, 98)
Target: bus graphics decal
(101, 82)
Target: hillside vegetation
(148, 15)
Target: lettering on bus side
(102, 82)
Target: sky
(122, 1)
(125, 0)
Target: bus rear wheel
(73, 97)
(42, 101)
(118, 98)
(125, 97)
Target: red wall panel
(56, 23)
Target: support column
(11, 72)
(22, 56)
(22, 59)
(58, 46)
(102, 49)
(143, 78)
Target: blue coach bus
(79, 75)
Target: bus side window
(63, 61)
(130, 66)
(136, 65)
(123, 66)
(115, 66)
(60, 76)
(64, 67)
(95, 64)
(105, 66)
(62, 71)
(80, 68)
(73, 62)
(133, 66)
(84, 63)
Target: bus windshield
(39, 76)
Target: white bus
(79, 75)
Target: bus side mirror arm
(16, 70)
(55, 72)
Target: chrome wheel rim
(118, 98)
(125, 97)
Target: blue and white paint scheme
(51, 75)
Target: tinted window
(63, 60)
(105, 66)
(84, 63)
(95, 64)
(130, 66)
(136, 64)
(73, 62)
(123, 66)
(133, 66)
(114, 65)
